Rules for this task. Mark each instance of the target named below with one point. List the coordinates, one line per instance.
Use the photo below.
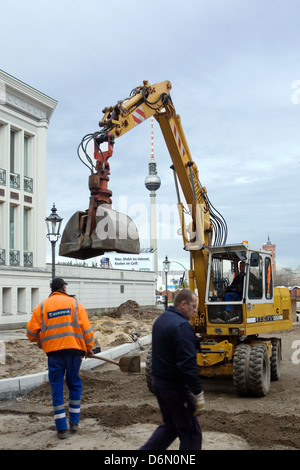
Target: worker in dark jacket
(175, 377)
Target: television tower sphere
(152, 181)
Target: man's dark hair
(57, 284)
(184, 294)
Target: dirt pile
(129, 307)
(124, 323)
(133, 309)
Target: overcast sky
(234, 66)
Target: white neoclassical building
(25, 114)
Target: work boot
(62, 434)
(73, 427)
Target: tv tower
(152, 183)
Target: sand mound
(124, 322)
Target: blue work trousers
(229, 297)
(177, 407)
(61, 365)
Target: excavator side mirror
(254, 259)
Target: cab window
(268, 278)
(255, 280)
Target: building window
(25, 229)
(2, 159)
(14, 255)
(14, 177)
(122, 290)
(2, 236)
(26, 145)
(28, 255)
(11, 227)
(28, 182)
(12, 151)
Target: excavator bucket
(85, 238)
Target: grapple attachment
(85, 237)
(100, 228)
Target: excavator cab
(238, 276)
(240, 289)
(99, 229)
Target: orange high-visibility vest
(60, 322)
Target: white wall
(100, 289)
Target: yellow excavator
(237, 301)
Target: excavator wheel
(275, 360)
(259, 370)
(241, 360)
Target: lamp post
(166, 264)
(182, 279)
(53, 223)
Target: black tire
(259, 371)
(148, 371)
(275, 361)
(241, 359)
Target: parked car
(160, 299)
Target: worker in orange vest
(61, 327)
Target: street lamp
(181, 279)
(53, 223)
(166, 264)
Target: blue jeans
(60, 365)
(229, 297)
(177, 406)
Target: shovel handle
(105, 359)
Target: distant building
(295, 292)
(272, 248)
